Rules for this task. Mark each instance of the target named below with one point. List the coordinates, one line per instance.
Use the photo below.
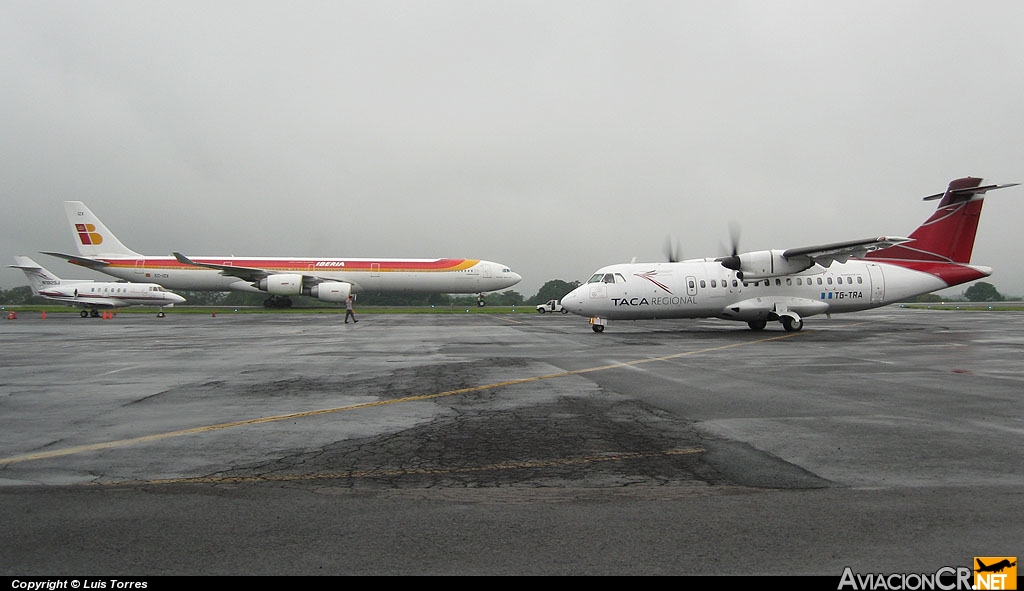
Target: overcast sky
(555, 137)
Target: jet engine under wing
(825, 254)
(270, 281)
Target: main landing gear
(792, 324)
(276, 301)
(789, 323)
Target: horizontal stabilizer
(965, 188)
(78, 260)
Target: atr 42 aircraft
(789, 285)
(327, 279)
(93, 295)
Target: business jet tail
(947, 236)
(38, 277)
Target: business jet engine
(285, 284)
(762, 264)
(331, 291)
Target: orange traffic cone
(44, 314)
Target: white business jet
(94, 295)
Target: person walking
(348, 310)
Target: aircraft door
(691, 285)
(374, 269)
(877, 283)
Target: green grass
(524, 309)
(209, 310)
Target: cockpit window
(607, 278)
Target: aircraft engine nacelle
(331, 291)
(284, 284)
(765, 263)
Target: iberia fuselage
(364, 275)
(327, 279)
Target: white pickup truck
(551, 306)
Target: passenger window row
(848, 279)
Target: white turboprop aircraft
(92, 295)
(789, 285)
(327, 279)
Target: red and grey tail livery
(943, 244)
(948, 235)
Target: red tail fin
(948, 235)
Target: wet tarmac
(479, 444)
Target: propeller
(732, 261)
(672, 252)
(734, 237)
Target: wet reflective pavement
(886, 441)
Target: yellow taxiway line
(271, 419)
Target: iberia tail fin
(92, 238)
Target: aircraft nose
(573, 301)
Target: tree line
(552, 290)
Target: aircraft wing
(250, 274)
(79, 260)
(99, 302)
(824, 254)
(247, 273)
(86, 302)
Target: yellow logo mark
(995, 572)
(87, 234)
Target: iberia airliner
(327, 279)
